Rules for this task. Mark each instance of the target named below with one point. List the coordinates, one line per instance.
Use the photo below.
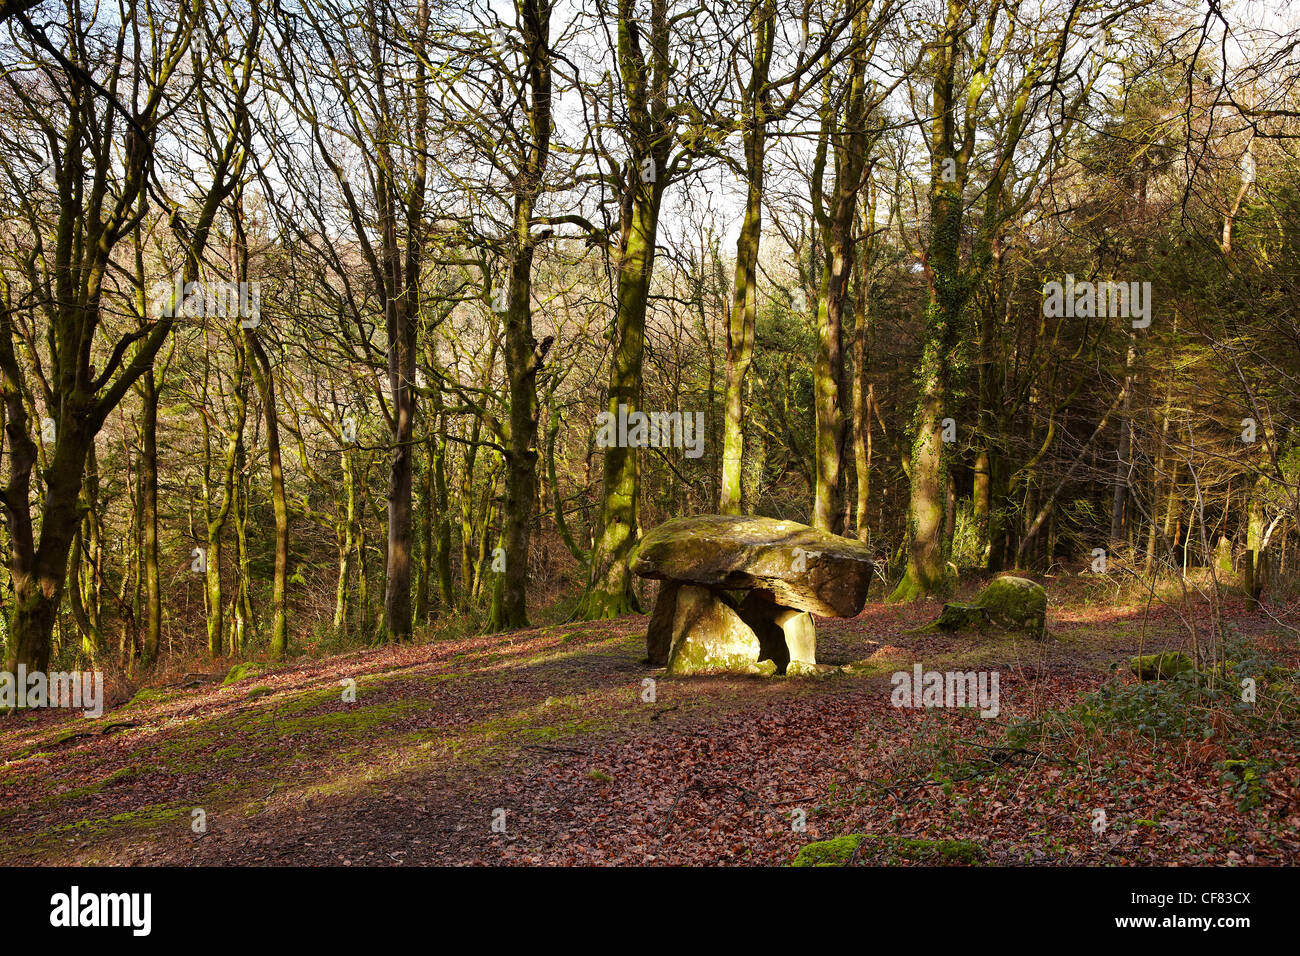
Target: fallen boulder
(1016, 604)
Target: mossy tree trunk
(609, 591)
(557, 502)
(524, 356)
(742, 320)
(442, 504)
(408, 267)
(844, 133)
(149, 505)
(960, 72)
(424, 539)
(241, 613)
(950, 152)
(649, 134)
(215, 519)
(467, 508)
(1123, 452)
(861, 388)
(86, 562)
(264, 378)
(346, 536)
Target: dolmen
(738, 593)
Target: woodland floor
(549, 724)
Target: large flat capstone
(798, 566)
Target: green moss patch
(836, 852)
(146, 696)
(1163, 665)
(241, 671)
(889, 849)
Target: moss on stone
(1015, 602)
(1161, 666)
(801, 669)
(261, 690)
(801, 567)
(956, 616)
(242, 670)
(834, 852)
(892, 849)
(1240, 770)
(710, 637)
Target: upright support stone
(659, 638)
(785, 636)
(710, 637)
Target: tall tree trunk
(265, 380)
(947, 298)
(446, 586)
(1123, 451)
(742, 321)
(849, 142)
(347, 541)
(441, 500)
(85, 562)
(609, 590)
(241, 616)
(741, 325)
(524, 357)
(149, 488)
(467, 509)
(425, 575)
(397, 591)
(861, 389)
